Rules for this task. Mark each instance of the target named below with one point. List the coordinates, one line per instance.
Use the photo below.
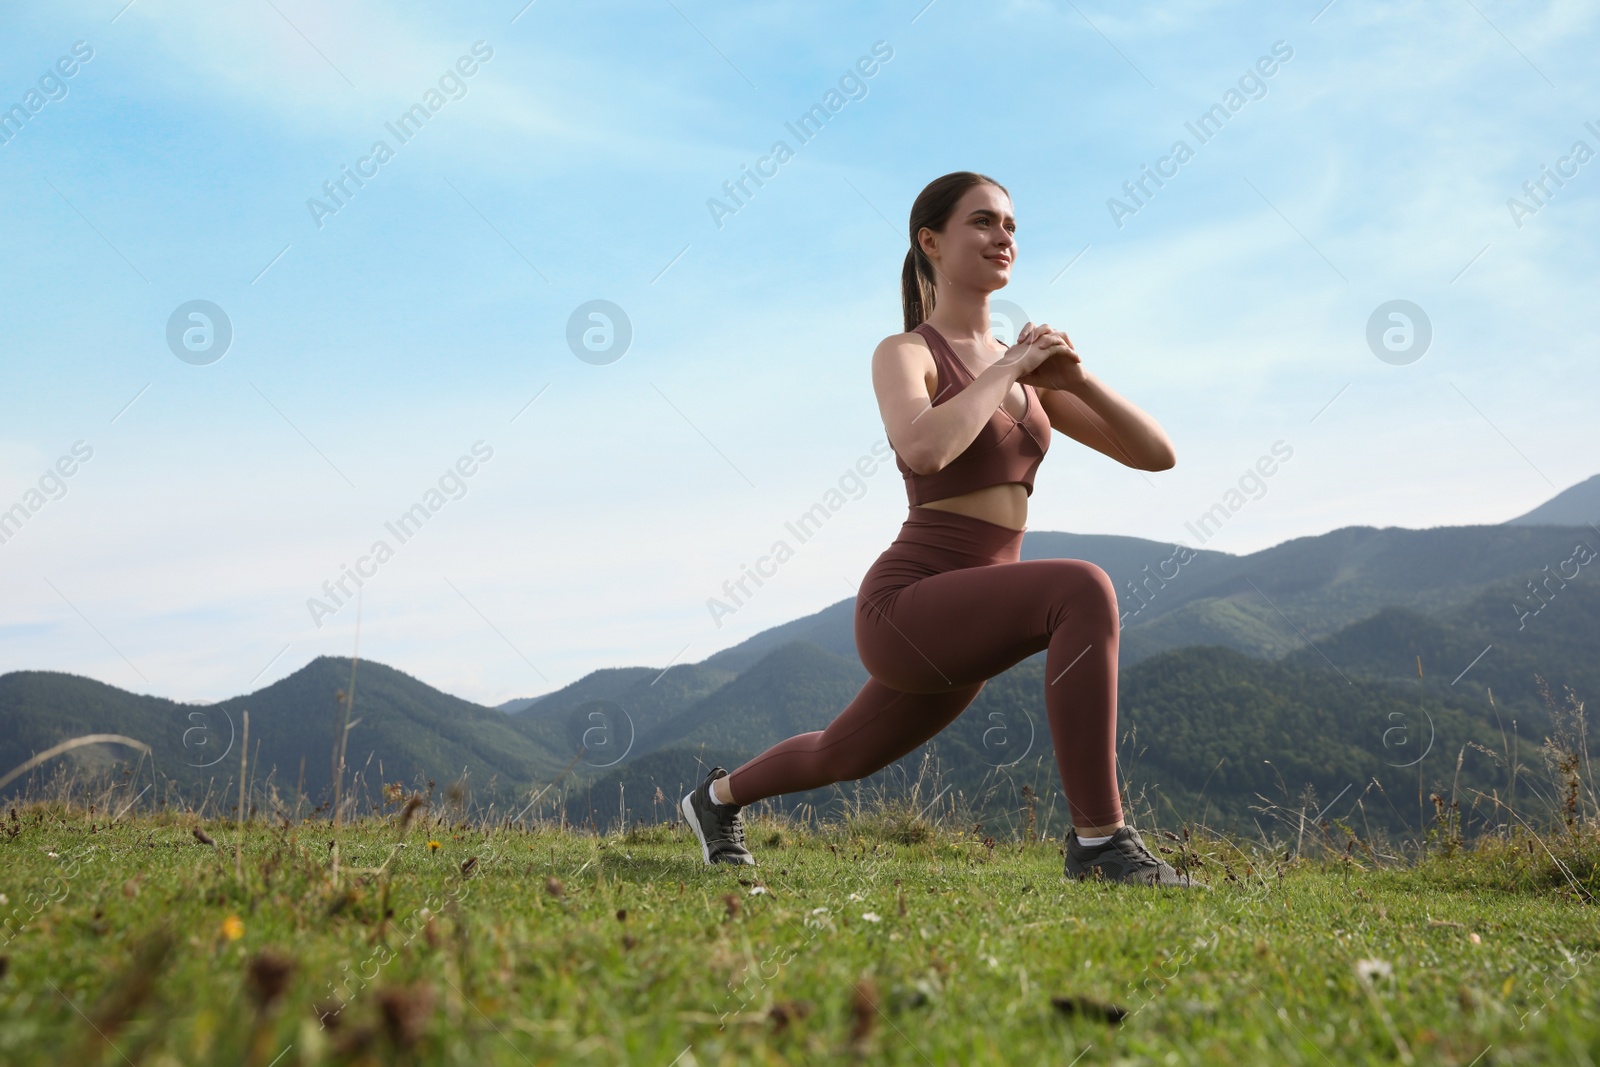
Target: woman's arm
(929, 437)
(1093, 414)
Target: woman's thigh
(959, 627)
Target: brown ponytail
(931, 209)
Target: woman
(949, 604)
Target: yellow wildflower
(433, 845)
(232, 928)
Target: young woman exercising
(949, 604)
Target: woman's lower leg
(1081, 702)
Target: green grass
(562, 948)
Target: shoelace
(1133, 847)
(731, 825)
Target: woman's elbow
(929, 457)
(919, 456)
(923, 464)
(1162, 459)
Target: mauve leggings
(947, 606)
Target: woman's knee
(1088, 592)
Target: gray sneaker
(718, 826)
(1123, 859)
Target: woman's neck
(971, 324)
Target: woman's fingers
(1065, 344)
(1045, 328)
(1056, 344)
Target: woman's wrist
(1086, 387)
(1009, 371)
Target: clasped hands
(1047, 359)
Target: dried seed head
(863, 1010)
(405, 1011)
(786, 1011)
(1091, 1009)
(409, 812)
(328, 1013)
(267, 977)
(430, 932)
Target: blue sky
(372, 348)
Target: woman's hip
(932, 541)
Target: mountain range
(1303, 673)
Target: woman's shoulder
(906, 353)
(912, 339)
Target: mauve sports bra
(1007, 449)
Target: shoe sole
(694, 823)
(1088, 877)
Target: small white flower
(758, 890)
(4, 900)
(1374, 968)
(853, 896)
(53, 855)
(871, 917)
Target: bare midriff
(1005, 504)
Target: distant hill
(611, 712)
(405, 730)
(1318, 585)
(1507, 647)
(1578, 505)
(831, 629)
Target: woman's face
(978, 245)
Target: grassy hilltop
(157, 940)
